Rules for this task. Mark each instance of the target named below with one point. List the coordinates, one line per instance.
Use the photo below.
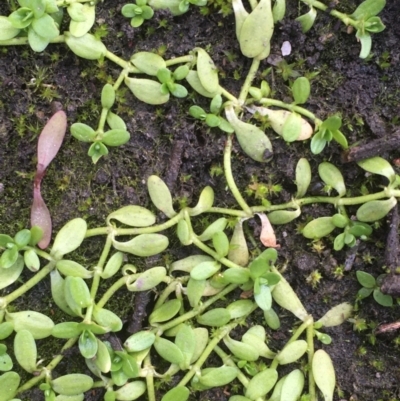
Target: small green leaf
(217, 377)
(207, 71)
(143, 245)
(148, 279)
(261, 383)
(107, 319)
(66, 330)
(245, 352)
(86, 46)
(365, 279)
(301, 90)
(368, 8)
(180, 393)
(324, 374)
(336, 315)
(71, 268)
(7, 30)
(205, 202)
(72, 384)
(214, 227)
(215, 317)
(130, 391)
(378, 165)
(146, 90)
(139, 341)
(168, 350)
(165, 312)
(116, 137)
(9, 383)
(205, 270)
(256, 31)
(332, 177)
(25, 350)
(303, 177)
(307, 20)
(115, 122)
(11, 274)
(292, 352)
(83, 132)
(319, 227)
(88, 344)
(279, 9)
(292, 386)
(160, 195)
(366, 43)
(252, 139)
(382, 299)
(133, 216)
(38, 324)
(263, 297)
(291, 129)
(375, 210)
(194, 81)
(69, 237)
(80, 28)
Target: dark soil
(167, 142)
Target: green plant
(371, 286)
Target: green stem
(134, 231)
(126, 65)
(151, 395)
(97, 276)
(218, 336)
(181, 60)
(310, 351)
(65, 3)
(307, 322)
(113, 289)
(55, 361)
(24, 41)
(102, 123)
(321, 6)
(40, 275)
(230, 180)
(228, 95)
(211, 252)
(227, 360)
(191, 314)
(249, 79)
(291, 107)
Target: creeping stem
(230, 180)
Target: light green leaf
(25, 350)
(375, 210)
(324, 374)
(147, 90)
(261, 383)
(292, 352)
(194, 81)
(86, 46)
(148, 279)
(207, 71)
(143, 245)
(72, 384)
(38, 324)
(80, 28)
(319, 227)
(7, 30)
(332, 177)
(160, 195)
(256, 31)
(307, 20)
(11, 274)
(69, 238)
(378, 165)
